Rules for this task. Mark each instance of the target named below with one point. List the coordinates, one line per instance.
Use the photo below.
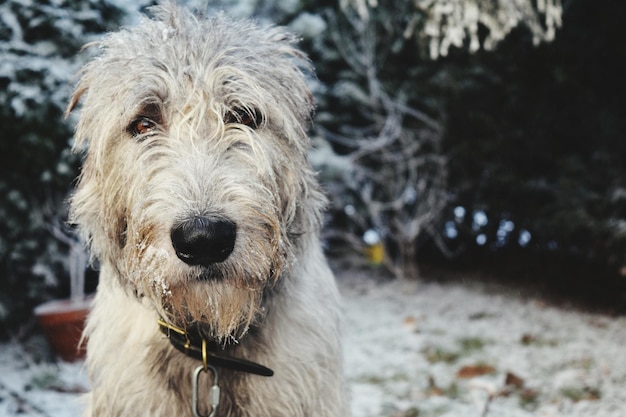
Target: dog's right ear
(81, 86)
(78, 93)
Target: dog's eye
(141, 126)
(247, 117)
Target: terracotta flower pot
(63, 322)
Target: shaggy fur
(186, 117)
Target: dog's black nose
(204, 240)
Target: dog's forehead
(220, 55)
(211, 42)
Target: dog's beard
(222, 311)
(222, 300)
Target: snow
(408, 345)
(407, 341)
(39, 389)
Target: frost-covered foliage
(445, 23)
(39, 41)
(394, 176)
(265, 11)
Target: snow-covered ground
(422, 349)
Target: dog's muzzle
(204, 241)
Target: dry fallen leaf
(471, 371)
(513, 380)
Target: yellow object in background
(373, 247)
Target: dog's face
(196, 188)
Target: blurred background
(476, 136)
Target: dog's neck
(192, 344)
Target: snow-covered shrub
(377, 147)
(382, 107)
(39, 42)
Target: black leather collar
(193, 347)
